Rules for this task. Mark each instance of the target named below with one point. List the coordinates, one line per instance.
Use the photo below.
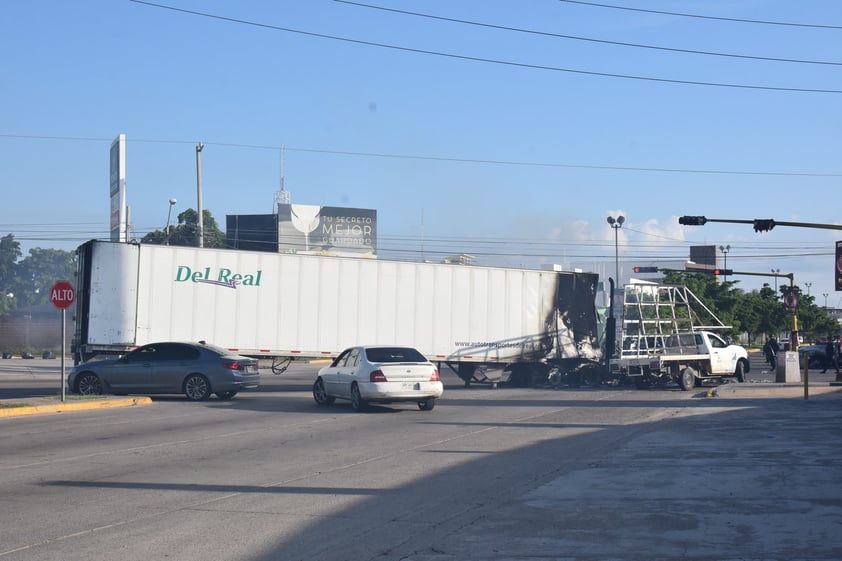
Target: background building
(309, 229)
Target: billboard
(327, 230)
(704, 255)
(838, 268)
(119, 231)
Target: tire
(320, 394)
(687, 379)
(427, 405)
(741, 371)
(196, 387)
(226, 395)
(357, 401)
(88, 384)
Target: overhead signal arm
(760, 224)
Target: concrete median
(42, 405)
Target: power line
(576, 38)
(289, 148)
(755, 21)
(490, 60)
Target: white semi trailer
(290, 306)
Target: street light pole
(616, 224)
(167, 230)
(776, 271)
(611, 322)
(808, 285)
(825, 299)
(725, 249)
(200, 225)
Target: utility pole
(200, 224)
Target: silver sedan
(379, 374)
(195, 369)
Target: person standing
(771, 352)
(831, 356)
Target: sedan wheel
(427, 405)
(320, 394)
(89, 384)
(357, 401)
(197, 387)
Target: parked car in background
(379, 374)
(815, 353)
(195, 369)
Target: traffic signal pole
(760, 224)
(764, 225)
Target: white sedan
(379, 374)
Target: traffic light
(646, 269)
(790, 299)
(723, 272)
(837, 270)
(692, 220)
(763, 225)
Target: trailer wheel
(197, 387)
(741, 371)
(687, 379)
(555, 377)
(466, 371)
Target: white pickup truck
(685, 358)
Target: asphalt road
(504, 474)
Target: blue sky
(491, 135)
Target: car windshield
(394, 354)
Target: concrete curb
(67, 406)
(748, 391)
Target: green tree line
(757, 313)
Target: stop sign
(62, 294)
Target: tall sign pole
(62, 295)
(200, 223)
(117, 189)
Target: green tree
(185, 232)
(9, 255)
(36, 273)
(721, 298)
(814, 322)
(771, 317)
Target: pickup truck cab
(685, 358)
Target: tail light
(435, 377)
(377, 376)
(233, 366)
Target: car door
(719, 359)
(134, 371)
(173, 362)
(345, 375)
(330, 374)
